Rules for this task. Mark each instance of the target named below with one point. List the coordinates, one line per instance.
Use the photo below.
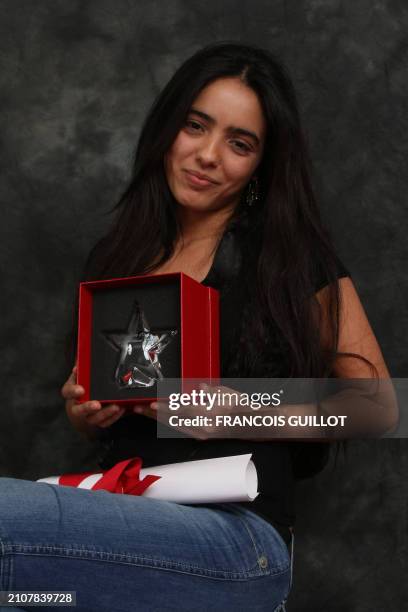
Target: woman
(220, 191)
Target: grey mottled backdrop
(77, 77)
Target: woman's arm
(355, 335)
(360, 357)
(364, 391)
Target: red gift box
(169, 301)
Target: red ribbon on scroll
(123, 477)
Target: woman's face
(217, 151)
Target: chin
(191, 201)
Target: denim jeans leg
(122, 552)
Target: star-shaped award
(139, 349)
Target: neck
(200, 225)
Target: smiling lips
(200, 180)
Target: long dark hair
(283, 232)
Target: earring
(252, 195)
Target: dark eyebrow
(231, 128)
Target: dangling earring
(252, 195)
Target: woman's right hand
(89, 417)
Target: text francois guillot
(255, 401)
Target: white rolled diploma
(206, 481)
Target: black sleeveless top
(274, 460)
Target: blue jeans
(122, 553)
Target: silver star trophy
(139, 349)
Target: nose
(208, 151)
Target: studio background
(76, 80)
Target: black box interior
(112, 312)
